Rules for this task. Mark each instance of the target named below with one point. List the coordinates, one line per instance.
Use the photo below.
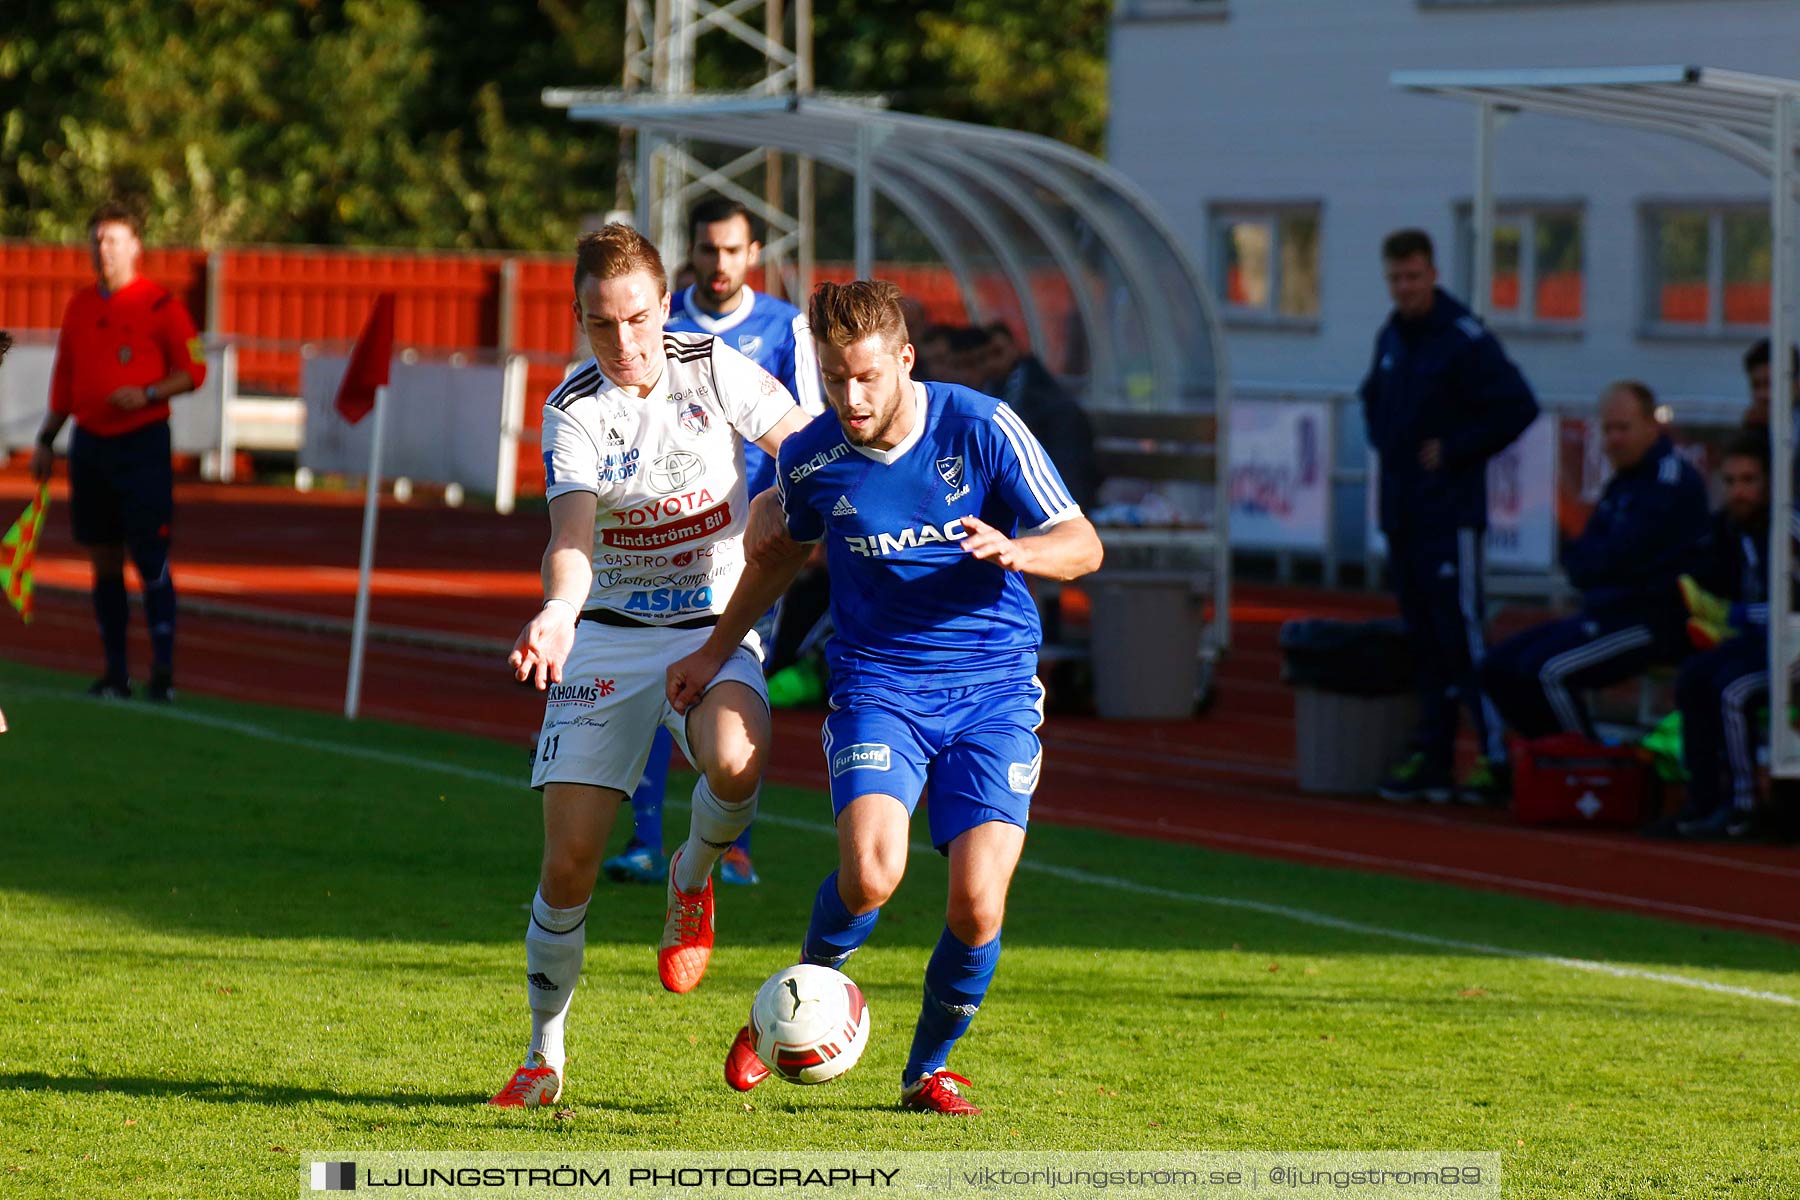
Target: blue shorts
(121, 489)
(975, 746)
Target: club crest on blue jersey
(693, 418)
(749, 344)
(950, 470)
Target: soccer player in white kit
(644, 471)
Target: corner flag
(18, 549)
(369, 361)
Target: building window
(1267, 261)
(1708, 267)
(1538, 264)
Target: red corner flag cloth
(17, 551)
(369, 362)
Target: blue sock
(956, 979)
(743, 842)
(647, 801)
(113, 614)
(835, 931)
(151, 557)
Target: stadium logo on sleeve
(819, 461)
(864, 756)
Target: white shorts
(599, 720)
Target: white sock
(554, 941)
(713, 826)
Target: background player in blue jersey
(771, 333)
(931, 500)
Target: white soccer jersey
(668, 471)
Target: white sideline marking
(1301, 915)
(1130, 826)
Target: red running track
(460, 583)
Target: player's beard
(880, 423)
(717, 300)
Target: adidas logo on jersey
(843, 508)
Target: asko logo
(706, 524)
(664, 508)
(881, 545)
(670, 600)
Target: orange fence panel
(39, 280)
(274, 300)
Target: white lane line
(1139, 828)
(1070, 874)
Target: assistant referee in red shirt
(127, 345)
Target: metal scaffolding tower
(664, 177)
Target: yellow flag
(18, 549)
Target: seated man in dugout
(1644, 534)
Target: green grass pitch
(228, 933)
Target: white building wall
(1289, 100)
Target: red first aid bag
(1565, 779)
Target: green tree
(1033, 65)
(416, 123)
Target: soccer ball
(809, 1024)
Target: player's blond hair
(841, 313)
(616, 250)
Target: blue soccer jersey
(905, 598)
(775, 336)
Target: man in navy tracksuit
(1720, 689)
(1646, 532)
(1440, 399)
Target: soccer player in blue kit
(933, 502)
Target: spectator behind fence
(933, 350)
(1053, 415)
(1440, 399)
(1720, 689)
(1646, 531)
(966, 363)
(1757, 372)
(126, 347)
